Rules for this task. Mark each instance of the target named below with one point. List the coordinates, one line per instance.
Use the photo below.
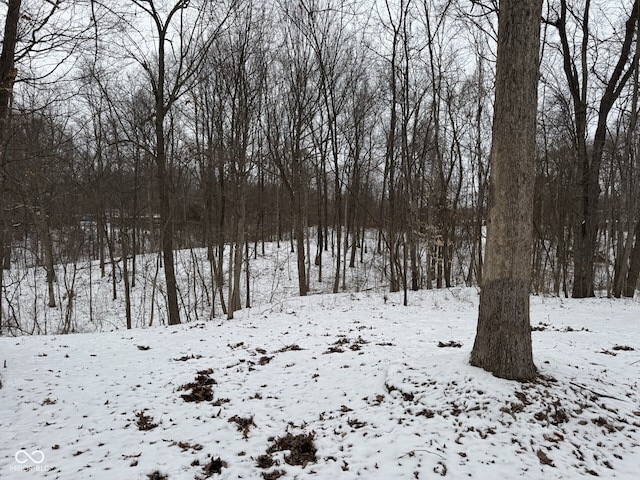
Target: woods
(345, 130)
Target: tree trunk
(49, 265)
(46, 241)
(503, 340)
(298, 232)
(7, 78)
(237, 249)
(634, 266)
(587, 218)
(166, 230)
(625, 249)
(7, 70)
(166, 213)
(124, 245)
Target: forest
(344, 129)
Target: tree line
(147, 126)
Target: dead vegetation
(624, 348)
(184, 446)
(564, 409)
(201, 388)
(213, 467)
(301, 448)
(184, 358)
(264, 360)
(289, 348)
(145, 422)
(542, 327)
(243, 424)
(264, 461)
(544, 459)
(274, 475)
(343, 341)
(156, 475)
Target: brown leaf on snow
(544, 459)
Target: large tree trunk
(7, 68)
(7, 78)
(503, 340)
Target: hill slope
(328, 386)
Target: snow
(359, 373)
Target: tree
(179, 55)
(7, 78)
(289, 115)
(589, 157)
(239, 60)
(503, 340)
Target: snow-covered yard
(341, 386)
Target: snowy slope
(355, 385)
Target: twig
(413, 452)
(596, 393)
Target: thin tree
(503, 340)
(179, 55)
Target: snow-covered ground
(352, 385)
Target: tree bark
(7, 78)
(634, 266)
(503, 339)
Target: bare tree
(7, 78)
(503, 340)
(589, 157)
(239, 61)
(180, 52)
(289, 114)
